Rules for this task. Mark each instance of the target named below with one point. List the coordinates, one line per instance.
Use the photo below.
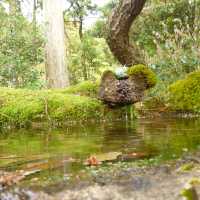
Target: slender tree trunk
(85, 70)
(34, 24)
(34, 20)
(14, 11)
(81, 28)
(56, 70)
(119, 25)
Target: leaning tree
(119, 24)
(129, 88)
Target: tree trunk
(56, 70)
(118, 32)
(85, 71)
(81, 28)
(34, 24)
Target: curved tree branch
(119, 25)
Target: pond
(59, 154)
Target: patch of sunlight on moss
(145, 71)
(185, 94)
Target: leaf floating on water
(92, 161)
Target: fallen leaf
(92, 161)
(99, 158)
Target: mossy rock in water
(144, 71)
(184, 95)
(120, 92)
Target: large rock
(129, 90)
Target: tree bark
(119, 25)
(56, 70)
(81, 28)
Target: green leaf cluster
(21, 49)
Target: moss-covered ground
(21, 107)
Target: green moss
(86, 88)
(144, 71)
(189, 192)
(20, 106)
(184, 95)
(187, 167)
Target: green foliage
(78, 9)
(162, 18)
(185, 94)
(170, 40)
(20, 51)
(87, 58)
(144, 71)
(99, 28)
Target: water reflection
(53, 151)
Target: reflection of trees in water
(166, 137)
(121, 136)
(170, 137)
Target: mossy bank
(184, 95)
(21, 107)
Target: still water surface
(52, 151)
